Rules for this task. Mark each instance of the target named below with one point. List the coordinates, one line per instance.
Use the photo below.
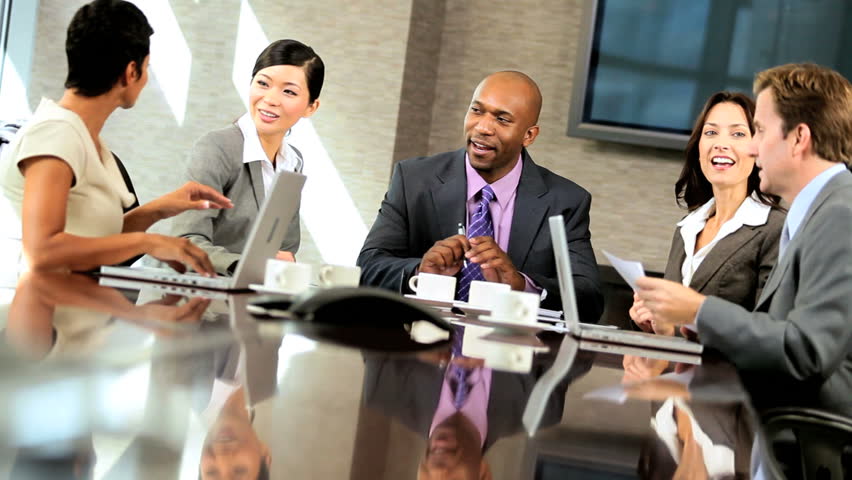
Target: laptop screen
(270, 227)
(563, 271)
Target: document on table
(543, 312)
(629, 270)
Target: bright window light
(171, 59)
(250, 42)
(13, 93)
(327, 209)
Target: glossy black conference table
(109, 383)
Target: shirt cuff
(530, 286)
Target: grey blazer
(426, 201)
(798, 340)
(737, 267)
(217, 160)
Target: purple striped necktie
(456, 374)
(480, 225)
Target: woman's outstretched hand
(190, 196)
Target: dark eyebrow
(496, 113)
(285, 83)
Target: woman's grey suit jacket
(217, 160)
(737, 267)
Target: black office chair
(820, 447)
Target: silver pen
(462, 232)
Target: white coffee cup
(288, 277)
(339, 276)
(516, 307)
(484, 294)
(433, 287)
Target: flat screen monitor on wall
(645, 67)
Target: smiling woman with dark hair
(61, 183)
(728, 243)
(241, 159)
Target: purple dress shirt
(502, 208)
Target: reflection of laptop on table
(569, 306)
(264, 240)
(162, 288)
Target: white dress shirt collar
(286, 158)
(751, 212)
(803, 201)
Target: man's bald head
(520, 84)
(501, 120)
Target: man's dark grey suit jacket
(427, 200)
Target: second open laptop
(572, 319)
(268, 230)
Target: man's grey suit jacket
(427, 200)
(798, 340)
(217, 161)
(737, 267)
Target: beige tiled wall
(365, 120)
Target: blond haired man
(798, 339)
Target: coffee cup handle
(412, 283)
(323, 274)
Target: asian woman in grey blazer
(241, 159)
(728, 242)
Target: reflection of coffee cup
(288, 277)
(339, 276)
(433, 287)
(516, 307)
(508, 358)
(483, 294)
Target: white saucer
(259, 288)
(430, 301)
(468, 308)
(509, 325)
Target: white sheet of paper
(629, 270)
(543, 312)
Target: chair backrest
(822, 446)
(7, 131)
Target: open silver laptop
(264, 240)
(572, 319)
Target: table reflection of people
(209, 395)
(232, 448)
(72, 460)
(245, 375)
(461, 407)
(460, 424)
(692, 436)
(57, 314)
